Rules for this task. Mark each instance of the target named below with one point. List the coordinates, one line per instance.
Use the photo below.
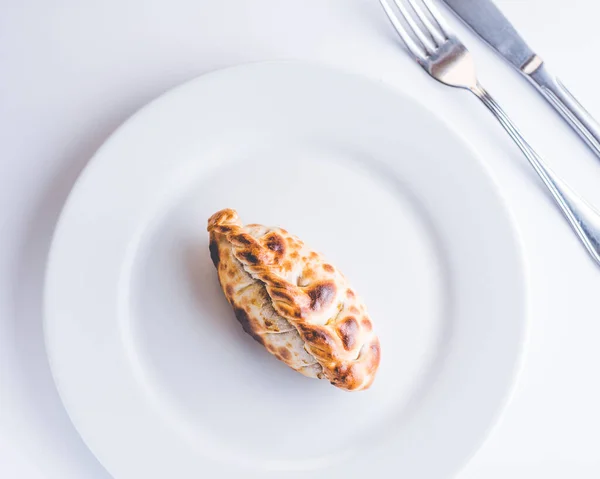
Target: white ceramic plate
(153, 368)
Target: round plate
(157, 375)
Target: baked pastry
(289, 299)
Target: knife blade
(487, 21)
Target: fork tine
(436, 32)
(415, 49)
(417, 30)
(437, 16)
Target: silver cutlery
(493, 27)
(445, 58)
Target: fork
(441, 54)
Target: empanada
(289, 299)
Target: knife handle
(568, 106)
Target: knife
(493, 27)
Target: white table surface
(71, 72)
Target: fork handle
(582, 217)
(567, 105)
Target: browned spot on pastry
(249, 257)
(243, 239)
(313, 255)
(319, 341)
(244, 320)
(348, 330)
(223, 229)
(366, 324)
(285, 354)
(310, 332)
(328, 268)
(275, 243)
(353, 309)
(268, 323)
(294, 255)
(284, 295)
(229, 290)
(308, 274)
(214, 253)
(283, 231)
(277, 282)
(316, 335)
(346, 376)
(321, 295)
(287, 266)
(231, 273)
(350, 293)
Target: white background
(71, 72)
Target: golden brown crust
(293, 302)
